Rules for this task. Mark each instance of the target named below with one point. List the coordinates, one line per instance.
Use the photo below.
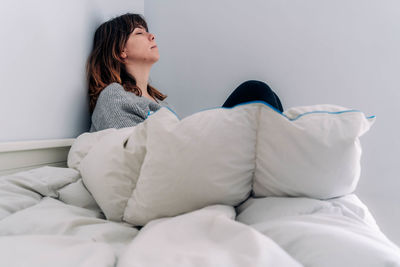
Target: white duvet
(49, 219)
(166, 167)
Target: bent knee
(257, 87)
(254, 83)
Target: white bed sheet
(52, 219)
(38, 229)
(336, 232)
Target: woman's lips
(154, 46)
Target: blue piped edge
(151, 113)
(273, 108)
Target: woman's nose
(151, 36)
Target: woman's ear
(123, 54)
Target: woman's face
(140, 47)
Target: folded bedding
(207, 237)
(166, 166)
(271, 231)
(61, 251)
(25, 189)
(163, 193)
(53, 217)
(48, 214)
(336, 232)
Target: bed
(53, 210)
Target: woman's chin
(156, 59)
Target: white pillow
(111, 167)
(207, 158)
(311, 151)
(82, 145)
(165, 166)
(76, 194)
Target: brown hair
(104, 65)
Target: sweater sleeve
(116, 108)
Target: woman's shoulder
(113, 88)
(116, 92)
(113, 99)
(115, 95)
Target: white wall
(43, 50)
(343, 52)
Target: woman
(118, 69)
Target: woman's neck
(141, 74)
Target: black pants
(253, 90)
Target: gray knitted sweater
(117, 108)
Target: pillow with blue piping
(166, 166)
(219, 156)
(310, 151)
(204, 159)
